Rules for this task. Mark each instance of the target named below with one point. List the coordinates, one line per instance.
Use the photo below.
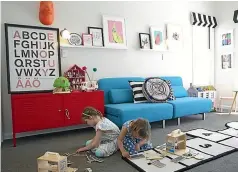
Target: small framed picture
(97, 34)
(227, 61)
(145, 41)
(87, 39)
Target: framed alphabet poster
(33, 58)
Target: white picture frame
(227, 61)
(226, 39)
(114, 31)
(157, 34)
(174, 37)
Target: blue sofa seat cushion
(120, 96)
(190, 105)
(150, 111)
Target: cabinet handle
(67, 113)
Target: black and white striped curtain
(235, 17)
(203, 20)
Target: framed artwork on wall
(33, 58)
(226, 39)
(227, 61)
(174, 37)
(145, 41)
(87, 40)
(97, 34)
(114, 31)
(158, 38)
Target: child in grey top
(105, 141)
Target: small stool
(226, 98)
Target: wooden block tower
(52, 162)
(176, 142)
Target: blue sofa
(120, 107)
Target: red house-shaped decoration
(75, 76)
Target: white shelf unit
(90, 47)
(153, 50)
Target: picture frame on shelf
(75, 39)
(174, 37)
(97, 34)
(158, 36)
(87, 39)
(114, 31)
(145, 40)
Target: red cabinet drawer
(37, 112)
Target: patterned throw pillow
(156, 90)
(171, 95)
(137, 91)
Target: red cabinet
(32, 112)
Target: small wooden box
(52, 162)
(176, 142)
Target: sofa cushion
(106, 84)
(138, 95)
(121, 113)
(171, 95)
(177, 86)
(190, 105)
(156, 89)
(121, 96)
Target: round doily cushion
(156, 89)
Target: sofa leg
(204, 116)
(178, 121)
(163, 125)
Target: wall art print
(158, 38)
(227, 60)
(226, 39)
(97, 34)
(114, 31)
(174, 37)
(33, 58)
(145, 41)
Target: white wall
(77, 16)
(224, 79)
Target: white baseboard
(9, 135)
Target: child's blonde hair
(91, 112)
(142, 128)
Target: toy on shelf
(53, 162)
(176, 142)
(90, 85)
(61, 85)
(208, 92)
(76, 76)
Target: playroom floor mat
(207, 134)
(196, 145)
(232, 125)
(230, 131)
(233, 142)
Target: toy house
(75, 76)
(176, 142)
(53, 162)
(208, 92)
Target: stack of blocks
(176, 142)
(53, 162)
